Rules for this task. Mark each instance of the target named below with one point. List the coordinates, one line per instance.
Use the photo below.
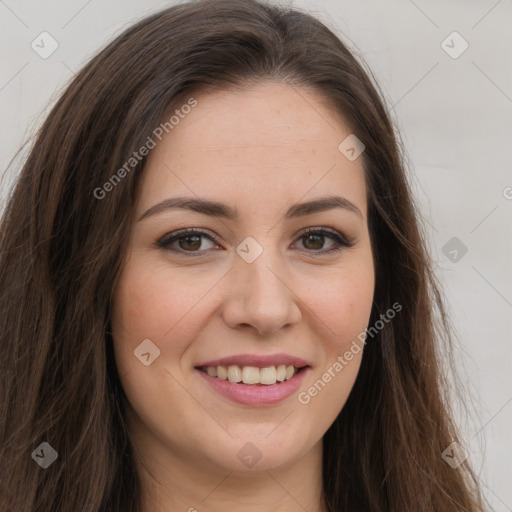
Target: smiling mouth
(252, 375)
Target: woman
(214, 288)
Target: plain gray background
(454, 115)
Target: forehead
(269, 142)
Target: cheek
(342, 308)
(343, 303)
(153, 302)
(138, 314)
(147, 302)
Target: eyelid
(340, 238)
(334, 233)
(169, 238)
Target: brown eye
(190, 243)
(186, 241)
(314, 240)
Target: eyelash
(165, 242)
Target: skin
(261, 151)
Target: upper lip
(256, 360)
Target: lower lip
(256, 395)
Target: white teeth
(268, 375)
(211, 371)
(252, 374)
(234, 373)
(222, 372)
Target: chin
(250, 452)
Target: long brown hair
(62, 248)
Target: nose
(260, 296)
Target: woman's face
(252, 290)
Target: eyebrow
(217, 209)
